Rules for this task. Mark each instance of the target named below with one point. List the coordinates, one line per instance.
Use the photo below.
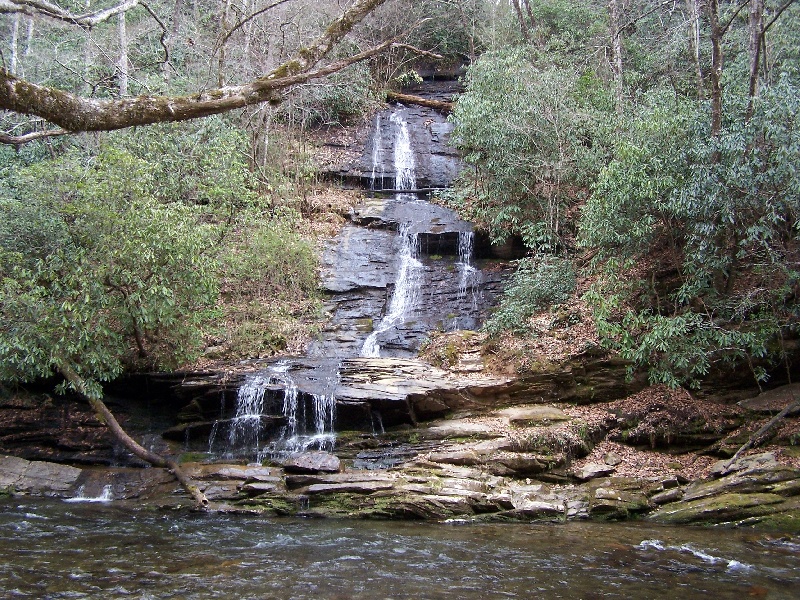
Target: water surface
(55, 550)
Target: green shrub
(538, 284)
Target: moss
(724, 508)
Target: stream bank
(360, 427)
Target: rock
(312, 462)
(617, 498)
(528, 416)
(18, 475)
(612, 459)
(667, 496)
(262, 487)
(718, 509)
(518, 465)
(467, 458)
(743, 482)
(765, 460)
(593, 470)
(458, 429)
(240, 472)
(774, 401)
(354, 487)
(301, 480)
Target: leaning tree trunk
(105, 415)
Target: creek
(53, 550)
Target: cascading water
(469, 274)
(406, 291)
(409, 272)
(247, 430)
(378, 172)
(404, 163)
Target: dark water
(58, 550)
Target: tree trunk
(409, 99)
(225, 26)
(523, 26)
(615, 17)
(755, 26)
(105, 415)
(170, 37)
(122, 66)
(693, 8)
(715, 74)
(14, 44)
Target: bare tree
(73, 113)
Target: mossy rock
(725, 508)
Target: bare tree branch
(76, 113)
(19, 140)
(247, 19)
(34, 8)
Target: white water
(406, 291)
(404, 164)
(377, 155)
(105, 496)
(469, 274)
(409, 271)
(246, 427)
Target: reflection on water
(55, 550)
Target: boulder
(593, 470)
(528, 416)
(774, 401)
(312, 462)
(36, 477)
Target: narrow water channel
(52, 550)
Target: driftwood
(441, 105)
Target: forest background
(646, 153)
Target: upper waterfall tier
(373, 160)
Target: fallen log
(440, 105)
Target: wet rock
(529, 416)
(312, 462)
(18, 475)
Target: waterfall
(377, 156)
(246, 428)
(404, 164)
(469, 274)
(406, 290)
(409, 271)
